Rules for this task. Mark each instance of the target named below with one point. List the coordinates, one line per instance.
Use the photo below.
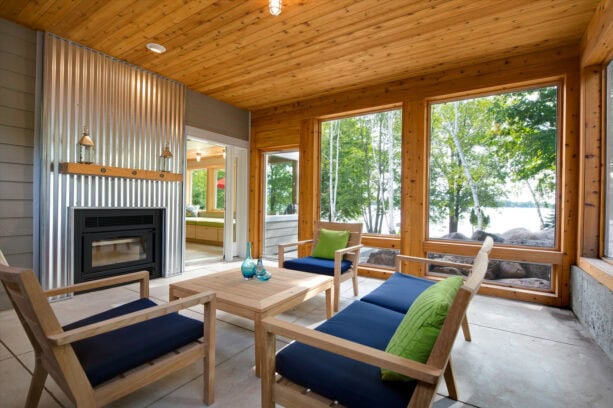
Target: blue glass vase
(260, 272)
(248, 265)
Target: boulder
(481, 235)
(385, 257)
(511, 270)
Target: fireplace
(115, 241)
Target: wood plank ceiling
(235, 51)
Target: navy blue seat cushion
(315, 265)
(109, 354)
(398, 292)
(350, 382)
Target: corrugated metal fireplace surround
(131, 115)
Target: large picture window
(493, 168)
(360, 171)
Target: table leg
(328, 303)
(259, 343)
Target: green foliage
(199, 178)
(526, 129)
(505, 138)
(358, 184)
(220, 197)
(279, 187)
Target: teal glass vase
(260, 272)
(248, 265)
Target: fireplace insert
(115, 241)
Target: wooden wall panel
(592, 161)
(497, 74)
(597, 41)
(557, 66)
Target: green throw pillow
(329, 242)
(420, 327)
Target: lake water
(501, 220)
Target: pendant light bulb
(274, 6)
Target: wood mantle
(108, 171)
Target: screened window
(360, 171)
(493, 168)
(608, 244)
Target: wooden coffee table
(256, 300)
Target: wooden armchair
(107, 356)
(341, 268)
(345, 367)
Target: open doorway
(204, 202)
(281, 201)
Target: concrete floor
(522, 355)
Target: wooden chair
(94, 361)
(276, 389)
(345, 263)
(456, 265)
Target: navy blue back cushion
(398, 292)
(109, 354)
(315, 265)
(351, 383)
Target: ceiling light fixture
(198, 156)
(157, 48)
(274, 6)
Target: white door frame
(236, 150)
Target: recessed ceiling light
(157, 48)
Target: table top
(259, 296)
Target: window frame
(553, 256)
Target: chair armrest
(416, 259)
(281, 249)
(355, 351)
(348, 249)
(142, 276)
(118, 322)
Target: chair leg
(450, 381)
(36, 386)
(466, 329)
(355, 283)
(336, 292)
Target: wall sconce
(86, 148)
(198, 156)
(166, 159)
(274, 6)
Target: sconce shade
(274, 6)
(86, 148)
(198, 156)
(166, 159)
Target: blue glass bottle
(260, 272)
(248, 265)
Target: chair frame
(402, 259)
(350, 253)
(276, 389)
(55, 356)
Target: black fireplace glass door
(117, 249)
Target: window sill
(598, 269)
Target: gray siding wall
(17, 84)
(204, 112)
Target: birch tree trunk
(390, 173)
(333, 150)
(536, 202)
(473, 187)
